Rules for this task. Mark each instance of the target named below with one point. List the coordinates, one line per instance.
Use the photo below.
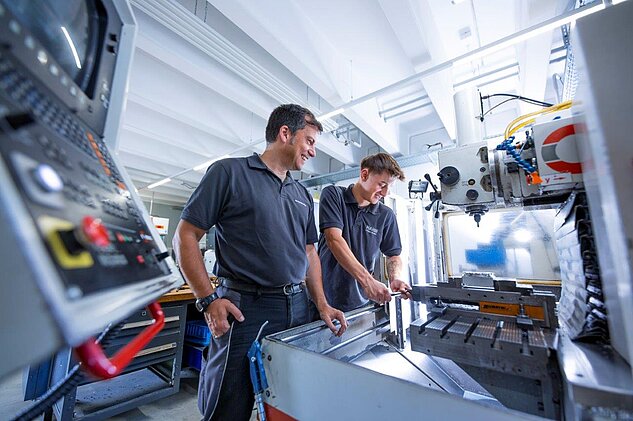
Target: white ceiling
(206, 75)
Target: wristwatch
(203, 303)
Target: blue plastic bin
(197, 332)
(192, 356)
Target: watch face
(200, 305)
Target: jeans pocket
(230, 294)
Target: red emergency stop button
(95, 232)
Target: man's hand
(400, 286)
(328, 314)
(217, 315)
(376, 291)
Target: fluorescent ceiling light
(331, 114)
(72, 47)
(526, 34)
(159, 183)
(205, 165)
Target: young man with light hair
(355, 228)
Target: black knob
(71, 241)
(472, 194)
(449, 176)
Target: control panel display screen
(68, 29)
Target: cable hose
(63, 387)
(68, 383)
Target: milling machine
(531, 318)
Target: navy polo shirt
(262, 224)
(368, 231)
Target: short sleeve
(390, 244)
(331, 208)
(205, 204)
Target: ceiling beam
(325, 69)
(196, 66)
(152, 113)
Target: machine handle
(95, 361)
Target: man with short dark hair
(265, 235)
(355, 228)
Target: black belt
(288, 289)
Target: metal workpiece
(399, 337)
(417, 293)
(364, 328)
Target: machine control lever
(92, 357)
(435, 196)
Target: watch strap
(203, 303)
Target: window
(511, 243)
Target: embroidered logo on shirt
(371, 230)
(300, 202)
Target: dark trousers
(225, 390)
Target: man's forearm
(314, 277)
(316, 291)
(192, 265)
(394, 268)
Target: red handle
(95, 361)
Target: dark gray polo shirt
(367, 231)
(262, 224)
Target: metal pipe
(483, 75)
(407, 111)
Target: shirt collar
(255, 161)
(349, 198)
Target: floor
(181, 406)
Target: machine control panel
(74, 192)
(78, 247)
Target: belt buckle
(289, 289)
